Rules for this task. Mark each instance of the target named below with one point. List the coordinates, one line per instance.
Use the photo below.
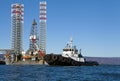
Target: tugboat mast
(71, 41)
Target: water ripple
(50, 73)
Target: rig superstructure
(37, 46)
(34, 39)
(43, 26)
(17, 20)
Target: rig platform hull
(2, 63)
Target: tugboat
(70, 57)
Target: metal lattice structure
(6, 51)
(17, 17)
(43, 26)
(34, 39)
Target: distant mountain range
(105, 60)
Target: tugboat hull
(59, 60)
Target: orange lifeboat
(27, 57)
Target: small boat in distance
(69, 57)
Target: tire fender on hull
(54, 57)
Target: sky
(94, 25)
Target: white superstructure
(71, 52)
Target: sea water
(59, 73)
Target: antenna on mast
(71, 41)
